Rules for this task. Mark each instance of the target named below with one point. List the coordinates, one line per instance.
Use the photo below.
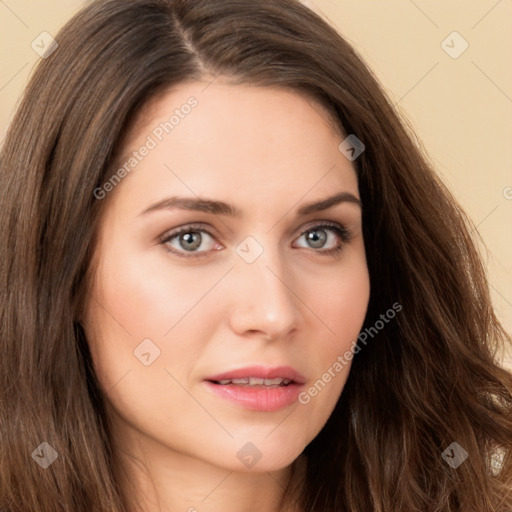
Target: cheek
(340, 300)
(148, 295)
(343, 301)
(340, 305)
(136, 299)
(140, 351)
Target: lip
(258, 398)
(262, 372)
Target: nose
(263, 300)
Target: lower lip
(258, 398)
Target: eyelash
(344, 234)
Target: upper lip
(262, 372)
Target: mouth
(255, 382)
(258, 388)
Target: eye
(328, 237)
(194, 240)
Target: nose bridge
(263, 299)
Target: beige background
(461, 108)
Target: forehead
(219, 138)
(222, 90)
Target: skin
(267, 151)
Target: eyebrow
(222, 208)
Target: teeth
(256, 381)
(240, 381)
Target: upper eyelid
(323, 224)
(171, 233)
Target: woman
(230, 280)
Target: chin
(261, 457)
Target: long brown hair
(427, 380)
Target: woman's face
(223, 255)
